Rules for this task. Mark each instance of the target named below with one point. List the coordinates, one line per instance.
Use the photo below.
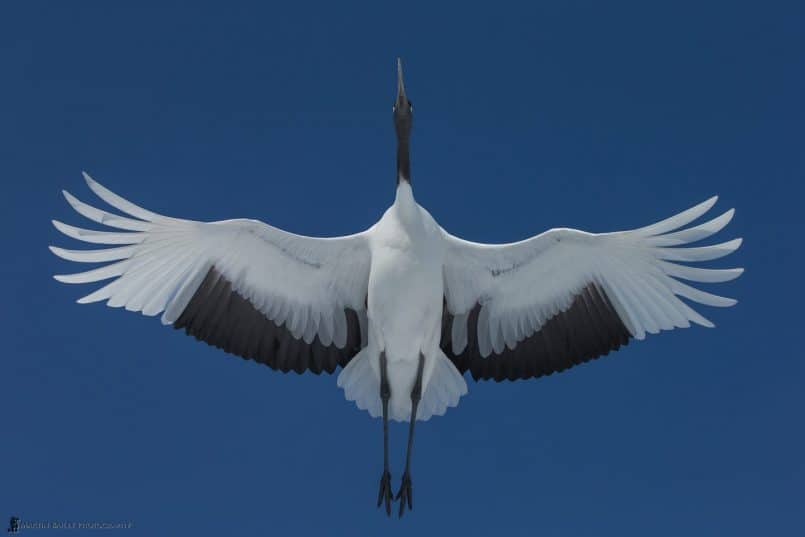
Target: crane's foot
(405, 495)
(385, 492)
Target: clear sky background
(595, 115)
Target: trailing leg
(405, 494)
(384, 495)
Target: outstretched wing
(288, 301)
(564, 297)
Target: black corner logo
(14, 524)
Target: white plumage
(526, 283)
(396, 276)
(404, 307)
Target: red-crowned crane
(404, 308)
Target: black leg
(385, 479)
(405, 495)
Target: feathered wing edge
(157, 265)
(638, 270)
(648, 296)
(133, 262)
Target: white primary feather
(288, 277)
(155, 264)
(522, 285)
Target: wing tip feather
(74, 202)
(729, 302)
(704, 322)
(88, 179)
(66, 229)
(707, 204)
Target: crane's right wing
(564, 297)
(288, 301)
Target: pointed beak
(401, 97)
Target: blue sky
(594, 115)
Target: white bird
(404, 308)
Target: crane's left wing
(285, 300)
(564, 297)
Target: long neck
(403, 161)
(405, 204)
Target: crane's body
(404, 308)
(405, 312)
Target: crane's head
(403, 108)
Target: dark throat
(403, 161)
